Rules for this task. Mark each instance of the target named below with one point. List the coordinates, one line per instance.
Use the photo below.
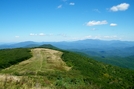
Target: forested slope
(106, 76)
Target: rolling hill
(52, 68)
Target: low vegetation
(58, 69)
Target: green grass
(44, 70)
(52, 69)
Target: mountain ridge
(114, 52)
(93, 42)
(83, 73)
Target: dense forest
(124, 62)
(104, 75)
(9, 57)
(113, 57)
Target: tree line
(10, 57)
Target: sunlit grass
(45, 70)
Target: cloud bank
(113, 24)
(72, 3)
(41, 34)
(93, 23)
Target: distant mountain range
(114, 52)
(80, 44)
(89, 46)
(47, 66)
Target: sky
(66, 20)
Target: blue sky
(66, 20)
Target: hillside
(56, 69)
(9, 57)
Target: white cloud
(32, 34)
(60, 6)
(113, 24)
(106, 37)
(17, 36)
(110, 37)
(120, 7)
(41, 34)
(97, 37)
(72, 3)
(88, 37)
(93, 23)
(85, 37)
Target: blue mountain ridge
(120, 53)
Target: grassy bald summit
(51, 68)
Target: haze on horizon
(66, 20)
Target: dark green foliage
(9, 57)
(49, 46)
(122, 57)
(106, 76)
(124, 62)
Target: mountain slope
(106, 76)
(45, 69)
(12, 56)
(120, 57)
(53, 69)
